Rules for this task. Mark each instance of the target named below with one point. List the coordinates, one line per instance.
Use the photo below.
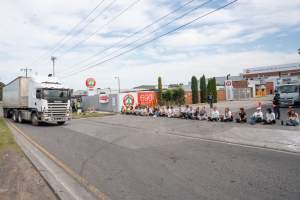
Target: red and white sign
(103, 98)
(147, 99)
(229, 90)
(128, 99)
(90, 83)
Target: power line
(133, 34)
(72, 30)
(110, 21)
(157, 29)
(86, 25)
(160, 36)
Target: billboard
(147, 99)
(128, 99)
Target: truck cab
(289, 92)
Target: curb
(66, 183)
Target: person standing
(276, 105)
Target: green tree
(203, 89)
(159, 93)
(167, 96)
(178, 96)
(214, 89)
(195, 91)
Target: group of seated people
(188, 112)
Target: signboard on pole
(90, 83)
(229, 90)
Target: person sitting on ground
(242, 116)
(270, 117)
(257, 116)
(203, 114)
(293, 118)
(190, 113)
(145, 112)
(196, 113)
(215, 115)
(177, 112)
(123, 110)
(169, 112)
(156, 112)
(138, 111)
(184, 111)
(150, 111)
(227, 117)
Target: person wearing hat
(257, 116)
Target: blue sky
(246, 34)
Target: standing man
(276, 105)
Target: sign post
(229, 90)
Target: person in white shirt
(270, 117)
(227, 117)
(215, 115)
(257, 116)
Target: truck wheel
(34, 119)
(20, 118)
(61, 123)
(15, 116)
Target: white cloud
(28, 28)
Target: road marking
(91, 188)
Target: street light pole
(119, 85)
(53, 65)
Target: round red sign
(228, 83)
(90, 82)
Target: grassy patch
(7, 141)
(89, 114)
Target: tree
(195, 91)
(299, 51)
(167, 96)
(203, 89)
(178, 96)
(159, 93)
(214, 89)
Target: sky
(246, 34)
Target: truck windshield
(288, 89)
(56, 93)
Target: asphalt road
(140, 158)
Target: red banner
(147, 99)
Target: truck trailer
(37, 99)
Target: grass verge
(90, 114)
(7, 141)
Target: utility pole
(53, 65)
(26, 70)
(119, 87)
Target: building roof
(221, 80)
(272, 68)
(145, 87)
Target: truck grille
(57, 109)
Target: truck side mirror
(38, 94)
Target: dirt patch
(19, 180)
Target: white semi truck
(37, 99)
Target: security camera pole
(53, 64)
(26, 70)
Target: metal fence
(242, 93)
(92, 103)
